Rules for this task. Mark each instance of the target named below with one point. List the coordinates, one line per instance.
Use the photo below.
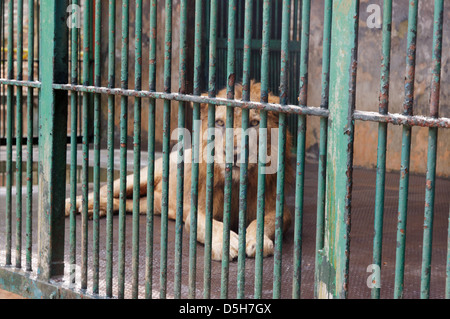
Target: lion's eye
(254, 123)
(220, 123)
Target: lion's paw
(267, 247)
(217, 247)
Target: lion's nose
(236, 156)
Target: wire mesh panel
(221, 202)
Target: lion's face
(252, 134)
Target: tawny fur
(219, 183)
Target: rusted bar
(432, 149)
(391, 118)
(402, 119)
(333, 268)
(229, 147)
(137, 151)
(53, 61)
(166, 148)
(293, 109)
(406, 149)
(181, 150)
(382, 140)
(96, 177)
(123, 147)
(85, 141)
(151, 156)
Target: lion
(219, 183)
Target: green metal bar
(265, 54)
(210, 149)
(166, 148)
(180, 159)
(301, 144)
(243, 178)
(432, 148)
(196, 129)
(123, 146)
(382, 140)
(110, 147)
(284, 93)
(334, 258)
(30, 126)
(229, 147)
(151, 154)
(406, 149)
(53, 61)
(321, 178)
(9, 132)
(97, 107)
(85, 148)
(137, 151)
(73, 140)
(19, 135)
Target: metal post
(52, 138)
(334, 257)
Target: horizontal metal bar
(196, 99)
(32, 84)
(401, 119)
(392, 118)
(396, 119)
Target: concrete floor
(361, 244)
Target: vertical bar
(97, 106)
(110, 146)
(137, 150)
(243, 178)
(432, 148)
(406, 148)
(196, 129)
(123, 146)
(321, 178)
(301, 144)
(229, 146)
(30, 126)
(151, 154)
(166, 146)
(334, 258)
(284, 93)
(52, 138)
(382, 139)
(9, 130)
(85, 149)
(180, 159)
(73, 138)
(262, 149)
(19, 135)
(210, 152)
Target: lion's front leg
(217, 237)
(269, 232)
(251, 238)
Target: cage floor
(360, 246)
